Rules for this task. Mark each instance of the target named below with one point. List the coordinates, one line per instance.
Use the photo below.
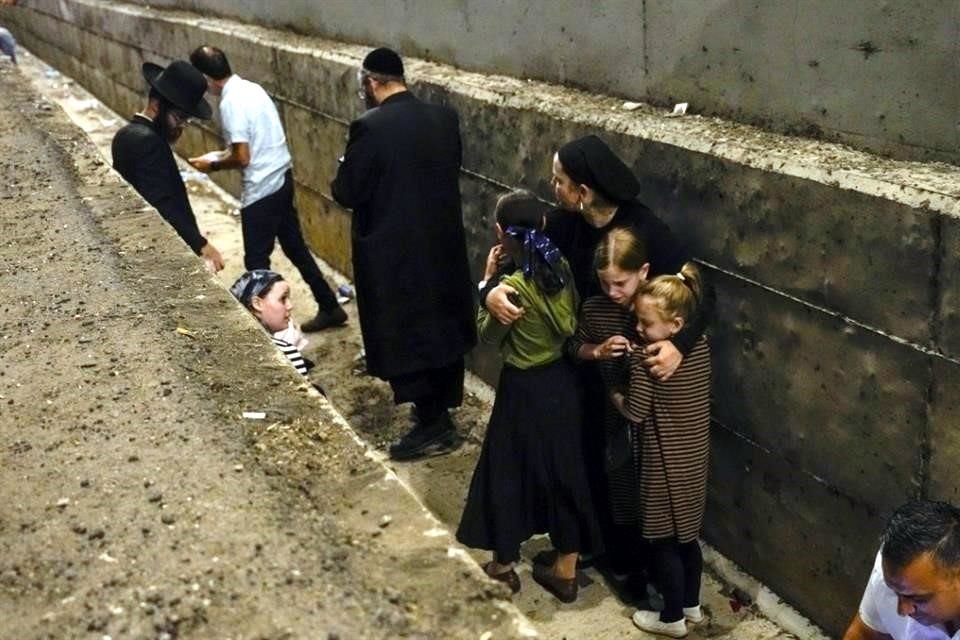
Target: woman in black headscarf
(596, 193)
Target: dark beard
(162, 125)
(368, 98)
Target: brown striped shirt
(673, 418)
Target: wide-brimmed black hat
(182, 85)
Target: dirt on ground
(136, 501)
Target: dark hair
(520, 208)
(923, 526)
(211, 61)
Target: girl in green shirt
(530, 477)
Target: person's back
(249, 115)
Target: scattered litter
(106, 557)
(631, 106)
(345, 291)
(435, 532)
(85, 105)
(199, 296)
(186, 332)
(62, 502)
(51, 73)
(238, 467)
(385, 521)
(254, 415)
(679, 109)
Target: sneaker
(325, 319)
(693, 615)
(649, 621)
(423, 441)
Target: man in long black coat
(400, 175)
(142, 154)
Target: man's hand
(200, 163)
(617, 398)
(212, 257)
(662, 359)
(500, 307)
(612, 347)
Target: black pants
(677, 567)
(432, 391)
(275, 217)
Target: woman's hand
(662, 359)
(612, 347)
(500, 307)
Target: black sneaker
(435, 439)
(325, 319)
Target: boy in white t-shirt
(256, 144)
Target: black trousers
(275, 217)
(678, 568)
(432, 391)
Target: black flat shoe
(509, 577)
(565, 589)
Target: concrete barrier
(835, 347)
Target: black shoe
(325, 319)
(434, 439)
(564, 589)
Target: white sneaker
(693, 615)
(649, 621)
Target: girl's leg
(692, 560)
(669, 570)
(499, 565)
(565, 566)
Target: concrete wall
(878, 75)
(836, 350)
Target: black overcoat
(145, 160)
(400, 175)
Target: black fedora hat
(181, 84)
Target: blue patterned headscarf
(541, 259)
(254, 284)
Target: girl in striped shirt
(672, 418)
(267, 296)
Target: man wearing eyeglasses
(400, 175)
(257, 145)
(142, 151)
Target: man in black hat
(400, 175)
(142, 151)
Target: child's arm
(637, 403)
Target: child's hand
(617, 398)
(612, 347)
(493, 261)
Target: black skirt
(531, 475)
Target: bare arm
(236, 157)
(858, 630)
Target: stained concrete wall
(836, 352)
(879, 75)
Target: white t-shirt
(878, 610)
(248, 115)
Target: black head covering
(588, 160)
(252, 284)
(181, 84)
(384, 61)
